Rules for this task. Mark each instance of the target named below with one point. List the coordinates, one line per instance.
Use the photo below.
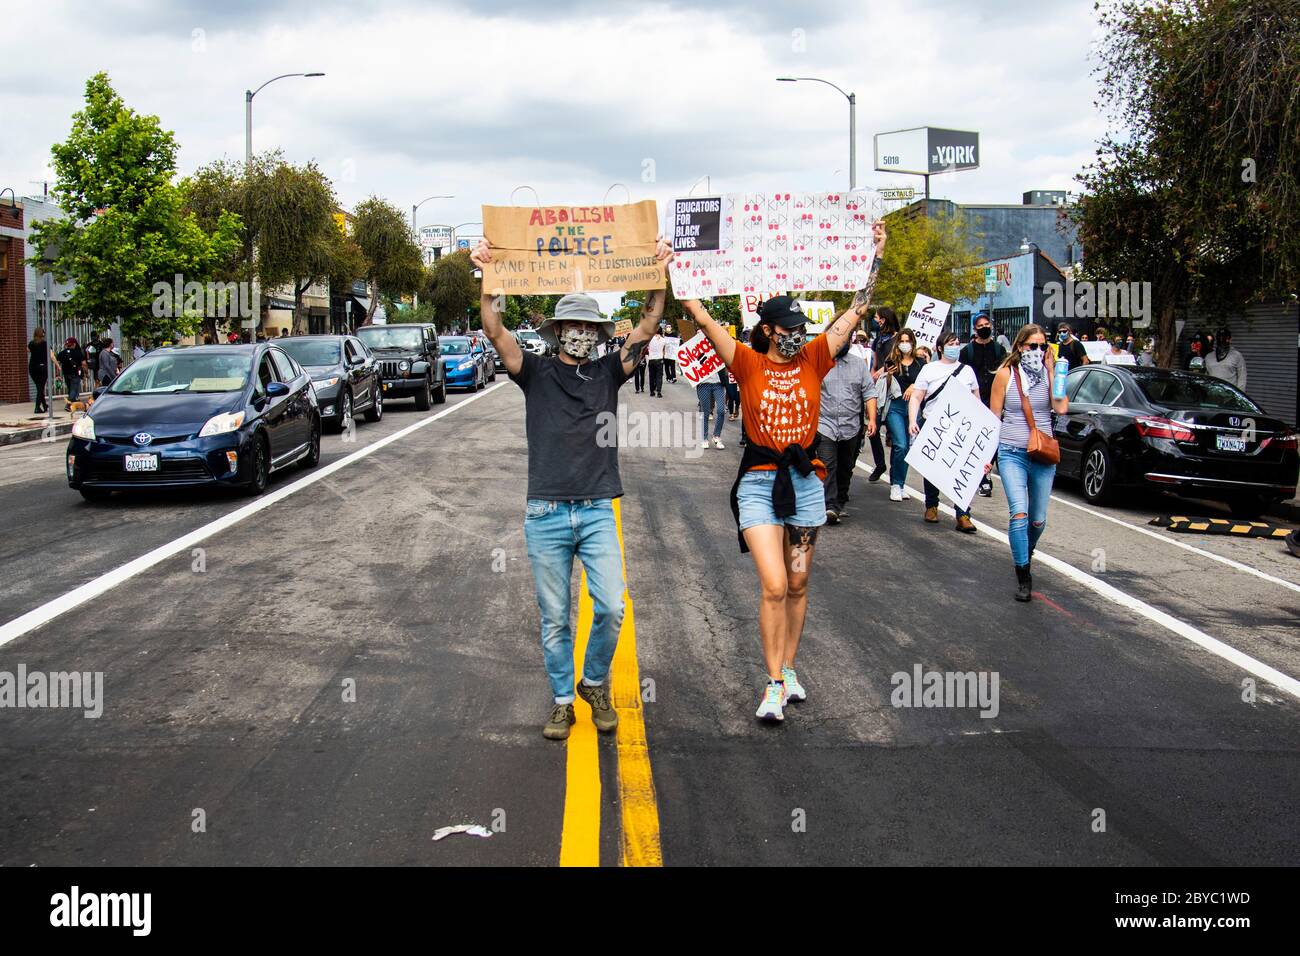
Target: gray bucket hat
(576, 307)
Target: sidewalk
(19, 424)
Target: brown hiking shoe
(932, 515)
(965, 524)
(603, 714)
(557, 728)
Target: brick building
(14, 384)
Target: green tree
(1196, 188)
(451, 288)
(127, 230)
(393, 261)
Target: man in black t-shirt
(984, 355)
(571, 418)
(1070, 348)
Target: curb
(32, 434)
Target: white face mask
(905, 347)
(579, 340)
(1032, 360)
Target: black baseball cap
(782, 310)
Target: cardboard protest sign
(927, 318)
(551, 250)
(787, 240)
(696, 224)
(957, 440)
(697, 360)
(622, 327)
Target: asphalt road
(354, 665)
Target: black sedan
(344, 375)
(223, 415)
(1184, 432)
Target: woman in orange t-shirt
(777, 498)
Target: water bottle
(1058, 380)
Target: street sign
(435, 237)
(990, 279)
(926, 150)
(906, 192)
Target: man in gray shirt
(571, 418)
(1225, 362)
(848, 398)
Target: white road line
(93, 588)
(1235, 565)
(1154, 614)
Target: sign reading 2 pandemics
(552, 250)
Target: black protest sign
(697, 224)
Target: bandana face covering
(1032, 361)
(790, 343)
(578, 342)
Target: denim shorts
(755, 499)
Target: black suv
(408, 361)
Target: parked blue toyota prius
(225, 415)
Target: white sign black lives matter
(957, 440)
(696, 224)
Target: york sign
(927, 150)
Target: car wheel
(260, 469)
(440, 394)
(375, 412)
(95, 495)
(1248, 507)
(313, 452)
(345, 411)
(480, 382)
(1097, 474)
(422, 401)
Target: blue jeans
(899, 441)
(555, 532)
(754, 498)
(711, 395)
(1028, 486)
(73, 384)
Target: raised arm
(651, 313)
(719, 337)
(490, 307)
(839, 331)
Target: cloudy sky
(474, 99)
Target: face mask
(1221, 351)
(578, 342)
(1062, 336)
(1032, 361)
(790, 343)
(952, 352)
(983, 333)
(905, 347)
(877, 324)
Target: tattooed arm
(839, 331)
(651, 313)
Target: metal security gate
(1268, 338)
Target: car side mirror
(277, 389)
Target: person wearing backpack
(934, 377)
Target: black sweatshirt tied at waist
(783, 497)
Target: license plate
(1230, 443)
(141, 462)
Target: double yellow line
(580, 839)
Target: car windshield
(189, 371)
(529, 334)
(1193, 391)
(385, 337)
(311, 351)
(455, 346)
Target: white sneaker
(705, 443)
(717, 442)
(773, 705)
(896, 493)
(793, 689)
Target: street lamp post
(248, 113)
(853, 122)
(415, 299)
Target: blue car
(223, 415)
(465, 362)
